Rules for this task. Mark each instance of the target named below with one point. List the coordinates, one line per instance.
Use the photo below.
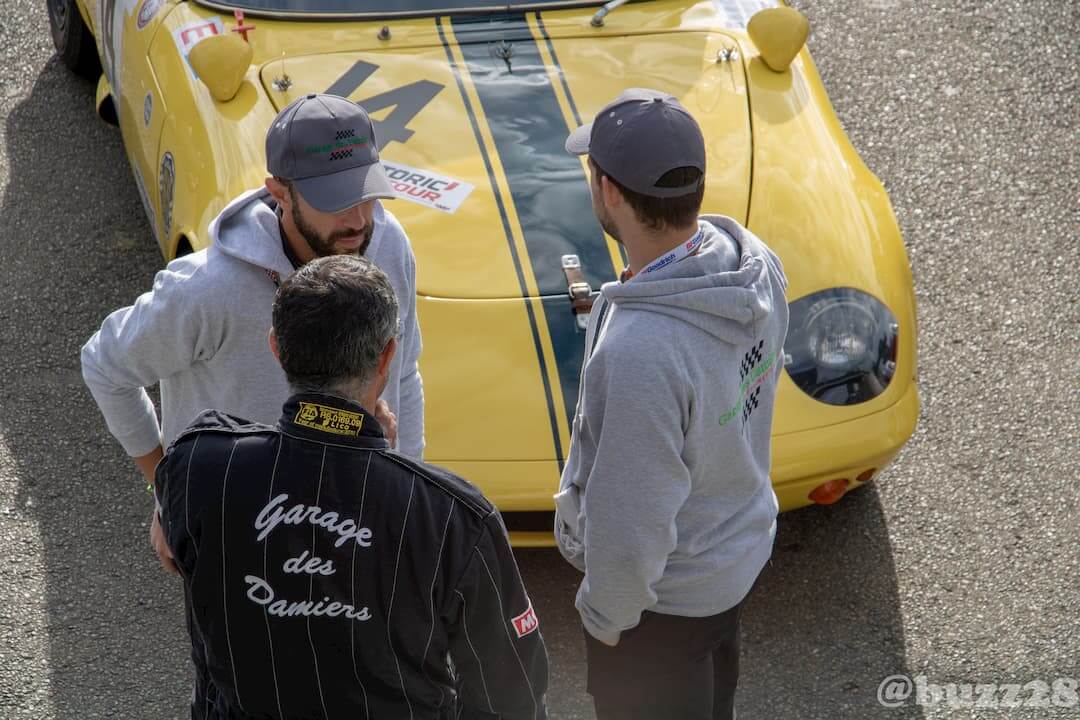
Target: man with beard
(201, 331)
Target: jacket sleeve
(160, 335)
(411, 410)
(636, 486)
(495, 641)
(173, 497)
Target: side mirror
(221, 62)
(779, 34)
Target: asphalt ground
(961, 564)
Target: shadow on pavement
(821, 630)
(76, 246)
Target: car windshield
(381, 8)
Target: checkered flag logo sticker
(750, 404)
(750, 360)
(754, 371)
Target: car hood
(471, 127)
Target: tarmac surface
(960, 565)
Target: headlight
(841, 346)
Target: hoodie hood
(725, 289)
(248, 230)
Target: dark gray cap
(639, 137)
(326, 146)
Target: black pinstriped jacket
(328, 577)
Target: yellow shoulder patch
(329, 419)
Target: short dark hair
(658, 213)
(333, 318)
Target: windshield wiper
(598, 18)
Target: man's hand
(388, 420)
(157, 539)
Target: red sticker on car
(192, 34)
(526, 622)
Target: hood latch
(579, 290)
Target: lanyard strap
(682, 252)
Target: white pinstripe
(224, 583)
(352, 585)
(311, 586)
(393, 591)
(266, 615)
(187, 484)
(506, 629)
(480, 665)
(431, 593)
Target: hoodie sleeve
(495, 640)
(411, 410)
(636, 486)
(163, 333)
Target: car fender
(215, 149)
(813, 197)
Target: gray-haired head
(333, 318)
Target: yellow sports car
(473, 100)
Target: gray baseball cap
(326, 146)
(639, 137)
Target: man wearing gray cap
(201, 331)
(665, 501)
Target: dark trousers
(667, 668)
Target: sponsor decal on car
(426, 188)
(147, 12)
(329, 419)
(166, 185)
(526, 622)
(192, 34)
(144, 197)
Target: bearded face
(336, 237)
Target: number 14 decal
(407, 101)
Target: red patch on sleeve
(526, 622)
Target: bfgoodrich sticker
(426, 188)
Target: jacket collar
(331, 419)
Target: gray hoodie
(202, 332)
(665, 502)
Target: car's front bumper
(802, 461)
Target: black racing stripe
(547, 185)
(562, 76)
(560, 458)
(569, 95)
(568, 342)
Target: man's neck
(299, 246)
(642, 246)
(365, 396)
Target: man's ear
(278, 191)
(387, 356)
(272, 339)
(611, 195)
